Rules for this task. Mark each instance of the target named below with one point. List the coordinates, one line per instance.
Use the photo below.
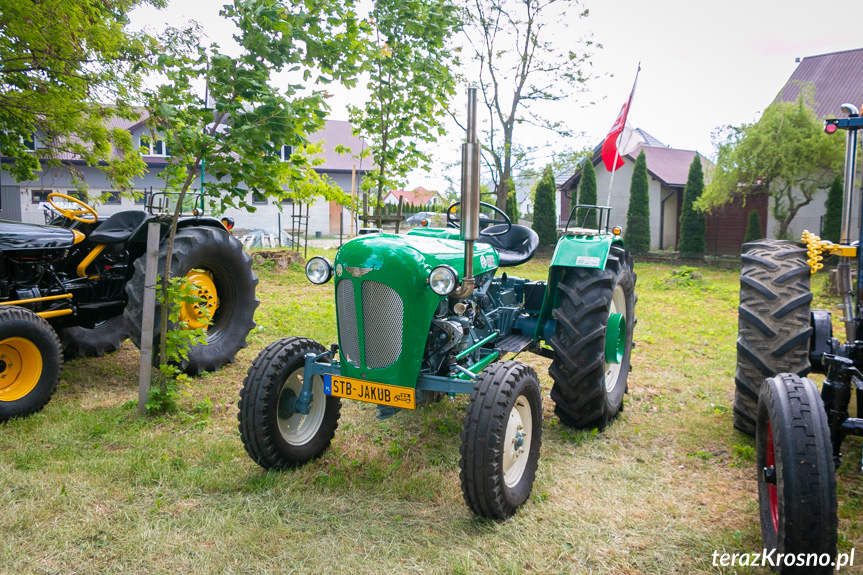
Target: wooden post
(353, 197)
(399, 213)
(148, 316)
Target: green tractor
(425, 315)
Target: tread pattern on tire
(256, 400)
(95, 342)
(804, 467)
(578, 367)
(214, 355)
(482, 436)
(773, 321)
(52, 365)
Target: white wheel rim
(618, 305)
(299, 429)
(516, 447)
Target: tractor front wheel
(774, 331)
(274, 436)
(592, 342)
(796, 481)
(30, 362)
(501, 440)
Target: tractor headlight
(443, 279)
(319, 270)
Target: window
(150, 147)
(110, 197)
(142, 197)
(39, 196)
(29, 143)
(286, 152)
(258, 198)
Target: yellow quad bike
(78, 284)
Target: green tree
(65, 68)
(544, 212)
(410, 84)
(240, 137)
(512, 206)
(587, 195)
(525, 55)
(785, 153)
(753, 228)
(692, 225)
(637, 234)
(832, 227)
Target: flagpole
(623, 126)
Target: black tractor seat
(119, 227)
(515, 247)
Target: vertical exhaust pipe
(469, 197)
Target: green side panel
(403, 264)
(572, 252)
(442, 233)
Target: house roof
(420, 195)
(837, 77)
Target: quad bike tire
(274, 438)
(774, 330)
(501, 439)
(796, 480)
(105, 337)
(30, 362)
(588, 391)
(214, 251)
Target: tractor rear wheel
(588, 389)
(30, 362)
(273, 435)
(215, 261)
(104, 337)
(774, 328)
(796, 481)
(501, 439)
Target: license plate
(361, 390)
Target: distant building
(24, 201)
(416, 197)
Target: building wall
(265, 216)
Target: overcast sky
(703, 64)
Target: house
(667, 168)
(837, 78)
(25, 201)
(417, 197)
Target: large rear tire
(796, 481)
(501, 440)
(274, 437)
(588, 390)
(30, 362)
(217, 257)
(105, 337)
(774, 328)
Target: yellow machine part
(815, 246)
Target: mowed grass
(89, 486)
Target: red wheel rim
(772, 494)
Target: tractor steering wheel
(73, 214)
(454, 221)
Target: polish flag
(611, 150)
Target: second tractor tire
(214, 251)
(774, 328)
(588, 391)
(105, 337)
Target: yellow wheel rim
(193, 314)
(20, 368)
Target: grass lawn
(88, 486)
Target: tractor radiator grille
(383, 315)
(346, 308)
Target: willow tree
(526, 54)
(785, 154)
(410, 82)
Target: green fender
(572, 252)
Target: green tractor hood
(384, 304)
